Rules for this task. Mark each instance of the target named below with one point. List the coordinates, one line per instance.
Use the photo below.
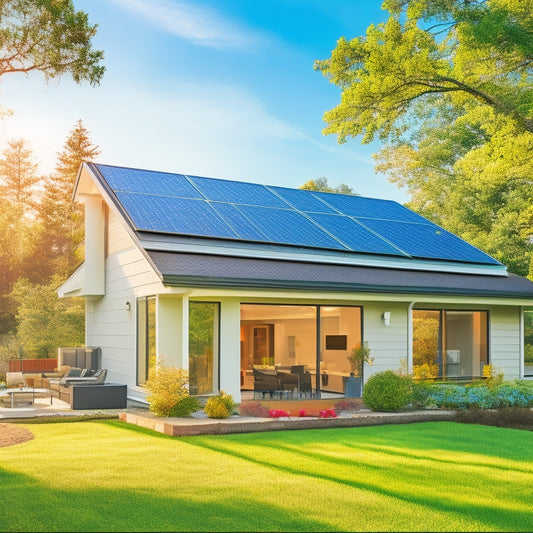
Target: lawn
(110, 476)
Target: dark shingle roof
(201, 270)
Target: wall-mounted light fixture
(127, 305)
(386, 318)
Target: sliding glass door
(295, 348)
(449, 344)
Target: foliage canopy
(446, 86)
(49, 36)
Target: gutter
(173, 280)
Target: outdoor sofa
(60, 387)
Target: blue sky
(219, 88)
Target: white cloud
(201, 25)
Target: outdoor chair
(15, 379)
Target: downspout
(410, 338)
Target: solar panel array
(207, 207)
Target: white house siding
(505, 341)
(388, 344)
(109, 325)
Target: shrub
(481, 396)
(387, 391)
(167, 386)
(220, 406)
(185, 407)
(253, 409)
(506, 417)
(421, 392)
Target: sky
(215, 88)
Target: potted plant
(359, 355)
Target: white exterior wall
(506, 341)
(108, 324)
(388, 344)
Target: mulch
(11, 434)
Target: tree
(322, 185)
(44, 322)
(446, 86)
(475, 51)
(18, 174)
(49, 36)
(61, 219)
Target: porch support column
(230, 348)
(171, 331)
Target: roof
(199, 270)
(205, 232)
(236, 211)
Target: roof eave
(250, 283)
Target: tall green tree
(18, 180)
(61, 219)
(18, 174)
(445, 85)
(49, 36)
(45, 322)
(321, 184)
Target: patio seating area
(77, 388)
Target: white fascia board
(73, 286)
(281, 296)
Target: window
(146, 338)
(528, 342)
(312, 340)
(203, 347)
(449, 344)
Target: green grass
(110, 476)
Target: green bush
(220, 406)
(185, 407)
(387, 391)
(167, 386)
(421, 392)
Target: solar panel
(303, 200)
(353, 235)
(236, 192)
(241, 225)
(289, 227)
(174, 215)
(208, 207)
(360, 207)
(149, 182)
(429, 240)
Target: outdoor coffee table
(26, 390)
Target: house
(224, 277)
